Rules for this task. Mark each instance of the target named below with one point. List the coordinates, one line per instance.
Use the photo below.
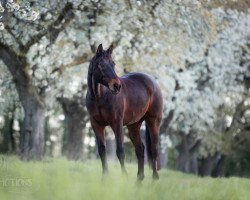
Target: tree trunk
(183, 159)
(194, 164)
(187, 158)
(32, 132)
(75, 139)
(206, 165)
(110, 144)
(163, 150)
(48, 148)
(7, 133)
(74, 131)
(31, 98)
(218, 169)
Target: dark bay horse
(123, 101)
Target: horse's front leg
(101, 144)
(119, 136)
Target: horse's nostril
(117, 86)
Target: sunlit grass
(62, 179)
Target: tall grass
(62, 179)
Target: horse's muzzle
(115, 85)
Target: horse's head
(102, 70)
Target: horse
(123, 101)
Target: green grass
(62, 179)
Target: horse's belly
(133, 116)
(135, 107)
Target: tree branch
(195, 147)
(77, 61)
(239, 111)
(73, 106)
(55, 28)
(17, 66)
(92, 22)
(129, 4)
(167, 121)
(19, 42)
(15, 63)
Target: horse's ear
(110, 49)
(99, 49)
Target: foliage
(195, 50)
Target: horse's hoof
(155, 176)
(104, 174)
(124, 172)
(105, 171)
(140, 177)
(138, 182)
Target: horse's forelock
(105, 55)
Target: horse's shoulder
(137, 76)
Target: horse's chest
(104, 116)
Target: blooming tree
(193, 52)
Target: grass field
(62, 179)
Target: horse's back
(137, 76)
(140, 80)
(143, 93)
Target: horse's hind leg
(134, 134)
(153, 124)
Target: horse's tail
(148, 147)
